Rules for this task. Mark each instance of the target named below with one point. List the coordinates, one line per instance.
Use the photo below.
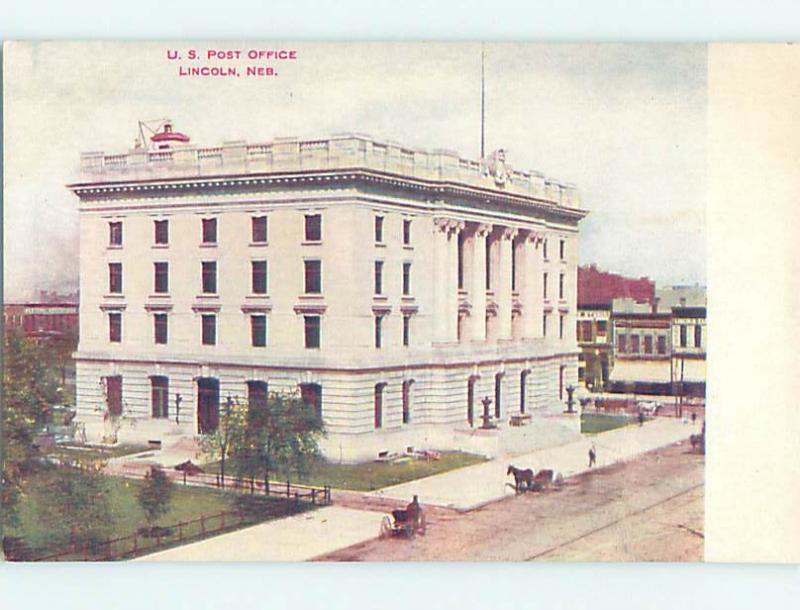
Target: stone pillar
(441, 284)
(529, 277)
(478, 283)
(503, 284)
(454, 228)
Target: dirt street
(646, 509)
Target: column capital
(536, 237)
(442, 223)
(509, 232)
(482, 229)
(456, 226)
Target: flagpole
(483, 102)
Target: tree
(219, 444)
(155, 494)
(30, 388)
(73, 505)
(281, 436)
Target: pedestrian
(641, 418)
(694, 418)
(592, 456)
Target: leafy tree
(72, 504)
(30, 388)
(281, 436)
(155, 494)
(219, 444)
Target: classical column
(531, 300)
(441, 228)
(503, 290)
(478, 283)
(454, 228)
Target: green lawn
(188, 503)
(95, 453)
(592, 423)
(368, 476)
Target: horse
(547, 478)
(523, 479)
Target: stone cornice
(359, 177)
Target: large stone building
(393, 288)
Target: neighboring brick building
(596, 287)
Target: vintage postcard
(355, 302)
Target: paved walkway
(296, 538)
(474, 486)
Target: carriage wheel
(386, 527)
(421, 524)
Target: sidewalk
(297, 538)
(474, 486)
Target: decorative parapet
(341, 151)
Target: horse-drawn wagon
(408, 522)
(529, 480)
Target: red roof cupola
(167, 137)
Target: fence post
(158, 536)
(135, 542)
(203, 525)
(288, 490)
(314, 496)
(180, 532)
(184, 477)
(222, 521)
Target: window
(622, 344)
(648, 344)
(312, 331)
(544, 249)
(561, 249)
(114, 233)
(523, 390)
(378, 277)
(161, 277)
(115, 327)
(561, 319)
(406, 232)
(407, 386)
(115, 278)
(209, 230)
(460, 256)
(561, 286)
(161, 232)
(585, 330)
(406, 279)
(378, 331)
(160, 328)
(488, 264)
(313, 277)
(513, 266)
(258, 330)
(114, 394)
(498, 395)
(209, 277)
(207, 404)
(683, 335)
(379, 229)
(698, 335)
(661, 344)
(406, 330)
(259, 229)
(259, 276)
(159, 396)
(602, 326)
(314, 227)
(379, 404)
(634, 344)
(544, 283)
(311, 395)
(544, 325)
(257, 395)
(209, 329)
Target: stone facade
(427, 286)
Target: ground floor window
(498, 395)
(207, 404)
(561, 382)
(257, 395)
(523, 387)
(311, 394)
(159, 396)
(114, 394)
(471, 401)
(407, 389)
(379, 390)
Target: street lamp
(487, 418)
(570, 400)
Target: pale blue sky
(626, 123)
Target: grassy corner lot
(369, 476)
(595, 423)
(44, 537)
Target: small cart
(408, 522)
